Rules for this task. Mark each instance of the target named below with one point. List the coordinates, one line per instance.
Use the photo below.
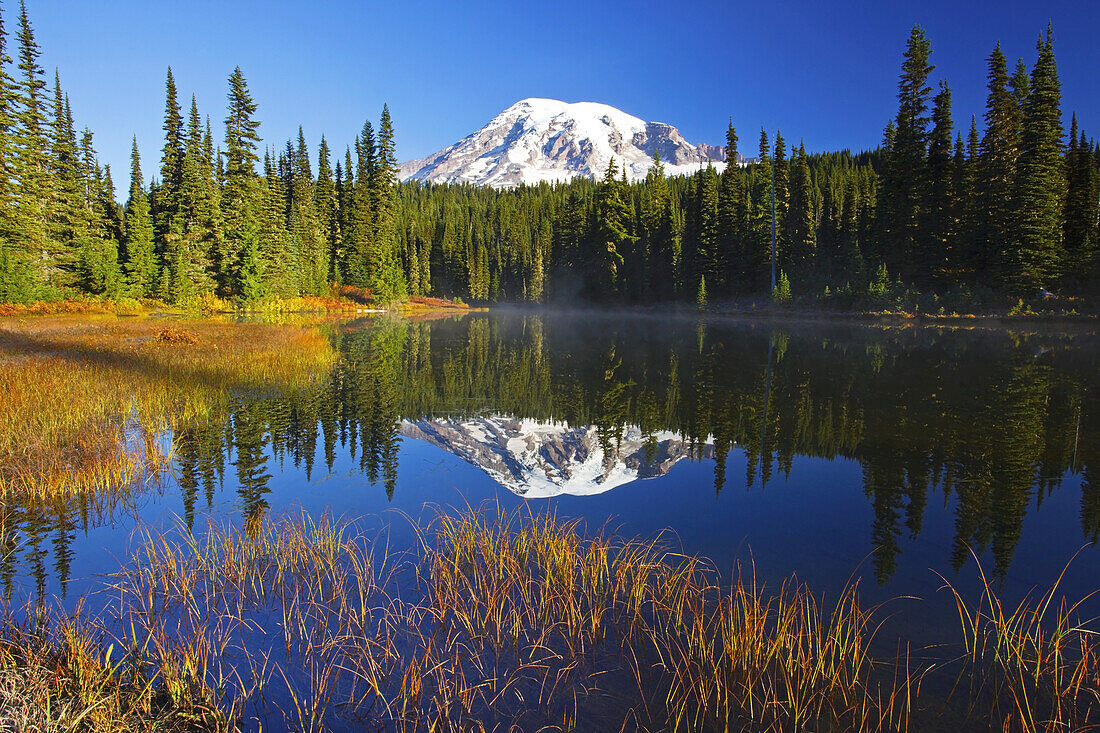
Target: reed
(510, 621)
(1033, 667)
(60, 673)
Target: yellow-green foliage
(61, 674)
(85, 397)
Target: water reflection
(987, 422)
(540, 460)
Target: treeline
(1011, 210)
(211, 224)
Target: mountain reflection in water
(989, 422)
(545, 459)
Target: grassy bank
(510, 623)
(344, 299)
(86, 397)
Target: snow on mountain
(541, 460)
(538, 140)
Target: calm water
(827, 451)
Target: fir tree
(998, 153)
(240, 201)
(801, 232)
(731, 218)
(538, 265)
(278, 253)
(32, 161)
(360, 218)
(139, 257)
(759, 255)
(702, 258)
(1020, 84)
(306, 228)
(611, 230)
(386, 278)
(905, 183)
(1036, 253)
(939, 210)
(66, 219)
(965, 252)
(166, 217)
(782, 196)
(8, 152)
(199, 219)
(663, 257)
(97, 246)
(1081, 205)
(325, 201)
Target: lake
(900, 456)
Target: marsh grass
(87, 399)
(1035, 666)
(506, 621)
(62, 673)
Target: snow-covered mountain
(538, 140)
(540, 460)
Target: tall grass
(500, 621)
(1035, 666)
(86, 399)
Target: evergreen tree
(663, 258)
(998, 153)
(278, 250)
(325, 201)
(1081, 205)
(538, 266)
(759, 256)
(702, 258)
(731, 218)
(66, 216)
(201, 250)
(782, 197)
(240, 202)
(801, 230)
(167, 222)
(939, 210)
(358, 247)
(31, 167)
(385, 277)
(98, 268)
(1035, 257)
(306, 227)
(8, 153)
(965, 253)
(611, 231)
(139, 257)
(905, 183)
(1020, 84)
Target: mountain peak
(538, 139)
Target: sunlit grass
(86, 399)
(511, 622)
(1035, 666)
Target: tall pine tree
(1036, 252)
(244, 272)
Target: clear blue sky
(825, 73)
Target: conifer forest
(1009, 203)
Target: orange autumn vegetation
(87, 397)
